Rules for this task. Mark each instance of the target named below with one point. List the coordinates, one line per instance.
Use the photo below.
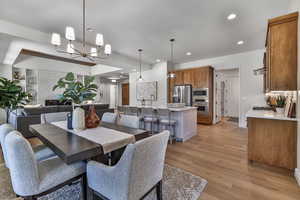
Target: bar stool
(131, 110)
(166, 122)
(149, 116)
(121, 109)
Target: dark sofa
(29, 116)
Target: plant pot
(92, 120)
(78, 119)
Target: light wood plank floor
(219, 154)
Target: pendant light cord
(83, 23)
(140, 59)
(172, 50)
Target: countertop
(264, 114)
(186, 108)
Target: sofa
(22, 119)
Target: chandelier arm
(89, 58)
(78, 51)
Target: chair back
(164, 113)
(109, 118)
(132, 111)
(5, 129)
(147, 159)
(22, 165)
(53, 117)
(129, 121)
(149, 112)
(121, 109)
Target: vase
(78, 121)
(92, 120)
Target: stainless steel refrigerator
(183, 94)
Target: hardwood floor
(219, 154)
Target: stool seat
(167, 122)
(150, 119)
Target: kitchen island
(272, 139)
(186, 121)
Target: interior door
(218, 100)
(125, 94)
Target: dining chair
(32, 179)
(132, 110)
(109, 117)
(41, 152)
(139, 171)
(166, 122)
(129, 121)
(148, 116)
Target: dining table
(104, 143)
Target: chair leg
(84, 187)
(90, 193)
(159, 190)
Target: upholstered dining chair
(32, 179)
(129, 121)
(53, 117)
(109, 118)
(41, 152)
(139, 171)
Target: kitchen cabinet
(272, 142)
(201, 77)
(281, 53)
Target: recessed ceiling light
(240, 42)
(114, 80)
(232, 16)
(157, 60)
(188, 53)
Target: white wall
(251, 87)
(295, 6)
(157, 73)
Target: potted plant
(12, 96)
(77, 92)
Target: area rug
(177, 185)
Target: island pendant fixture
(140, 63)
(172, 75)
(99, 51)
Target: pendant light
(172, 75)
(140, 62)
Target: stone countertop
(186, 108)
(266, 114)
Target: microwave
(200, 92)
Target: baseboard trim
(297, 175)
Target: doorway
(125, 94)
(227, 102)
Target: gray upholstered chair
(41, 152)
(129, 121)
(109, 118)
(32, 179)
(139, 171)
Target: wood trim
(53, 57)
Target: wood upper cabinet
(281, 53)
(188, 77)
(201, 77)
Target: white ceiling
(199, 26)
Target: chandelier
(99, 51)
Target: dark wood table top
(71, 147)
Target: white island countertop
(268, 114)
(174, 109)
